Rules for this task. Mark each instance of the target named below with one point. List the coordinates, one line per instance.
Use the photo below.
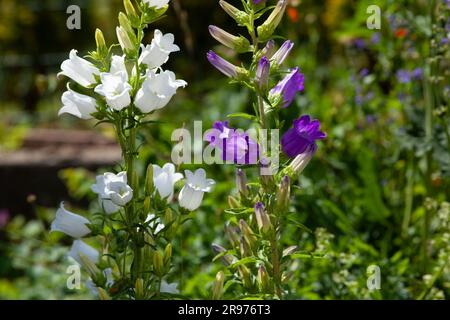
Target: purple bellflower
(302, 137)
(287, 88)
(236, 146)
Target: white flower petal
(78, 247)
(70, 223)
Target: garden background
(375, 194)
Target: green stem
(130, 165)
(429, 108)
(276, 267)
(409, 194)
(262, 114)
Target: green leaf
(239, 211)
(303, 255)
(244, 261)
(242, 115)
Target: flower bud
(139, 288)
(102, 294)
(167, 256)
(247, 232)
(268, 51)
(101, 44)
(158, 264)
(284, 193)
(280, 56)
(90, 266)
(168, 216)
(300, 162)
(240, 44)
(245, 247)
(218, 286)
(148, 250)
(228, 69)
(232, 235)
(289, 250)
(266, 177)
(239, 16)
(124, 40)
(146, 208)
(233, 203)
(262, 218)
(241, 182)
(262, 73)
(266, 30)
(131, 13)
(149, 186)
(246, 277)
(227, 259)
(126, 25)
(263, 280)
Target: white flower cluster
(114, 86)
(114, 193)
(195, 186)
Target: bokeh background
(378, 186)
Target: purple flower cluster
(302, 137)
(405, 76)
(236, 146)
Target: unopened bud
(233, 203)
(241, 182)
(158, 264)
(245, 247)
(124, 40)
(91, 267)
(289, 250)
(218, 286)
(300, 162)
(280, 56)
(247, 232)
(283, 195)
(246, 277)
(131, 13)
(149, 186)
(232, 235)
(263, 280)
(262, 218)
(167, 256)
(100, 41)
(267, 51)
(227, 259)
(262, 73)
(239, 16)
(103, 295)
(124, 22)
(139, 288)
(146, 208)
(227, 68)
(266, 30)
(266, 177)
(240, 44)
